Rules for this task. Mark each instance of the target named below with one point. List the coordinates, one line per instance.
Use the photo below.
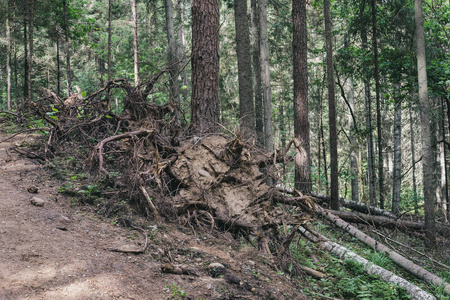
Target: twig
(23, 131)
(149, 200)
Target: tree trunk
(301, 121)
(205, 66)
(413, 161)
(256, 41)
(25, 60)
(443, 162)
(66, 29)
(427, 153)
(331, 110)
(58, 64)
(8, 59)
(173, 59)
(265, 65)
(397, 175)
(396, 258)
(354, 147)
(181, 48)
(344, 253)
(245, 76)
(135, 44)
(378, 101)
(109, 39)
(30, 49)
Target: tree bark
(427, 153)
(8, 59)
(25, 61)
(331, 110)
(443, 163)
(344, 253)
(66, 28)
(265, 65)
(378, 101)
(109, 39)
(396, 258)
(301, 121)
(245, 76)
(413, 161)
(135, 44)
(58, 64)
(354, 147)
(30, 49)
(397, 175)
(205, 66)
(173, 59)
(256, 41)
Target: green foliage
(176, 292)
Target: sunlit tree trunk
(205, 66)
(245, 76)
(181, 48)
(265, 65)
(259, 113)
(301, 120)
(413, 160)
(443, 162)
(331, 110)
(135, 43)
(427, 153)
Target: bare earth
(62, 251)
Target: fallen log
(396, 258)
(357, 206)
(343, 253)
(386, 222)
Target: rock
(37, 201)
(32, 189)
(216, 266)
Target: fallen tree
(344, 253)
(396, 257)
(381, 221)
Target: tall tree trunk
(181, 48)
(427, 152)
(245, 76)
(173, 59)
(265, 65)
(377, 93)
(331, 110)
(397, 174)
(301, 121)
(256, 35)
(135, 44)
(205, 66)
(353, 143)
(66, 29)
(25, 48)
(413, 160)
(58, 64)
(109, 39)
(443, 152)
(8, 59)
(30, 49)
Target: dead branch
(149, 201)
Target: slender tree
(66, 29)
(205, 66)
(30, 49)
(109, 38)
(265, 65)
(301, 120)
(245, 76)
(397, 174)
(427, 151)
(8, 58)
(25, 61)
(172, 55)
(135, 43)
(331, 110)
(256, 41)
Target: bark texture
(8, 59)
(66, 29)
(205, 66)
(397, 174)
(301, 120)
(135, 43)
(331, 110)
(245, 76)
(427, 153)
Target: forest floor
(63, 250)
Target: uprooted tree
(207, 182)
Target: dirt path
(58, 251)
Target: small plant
(176, 292)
